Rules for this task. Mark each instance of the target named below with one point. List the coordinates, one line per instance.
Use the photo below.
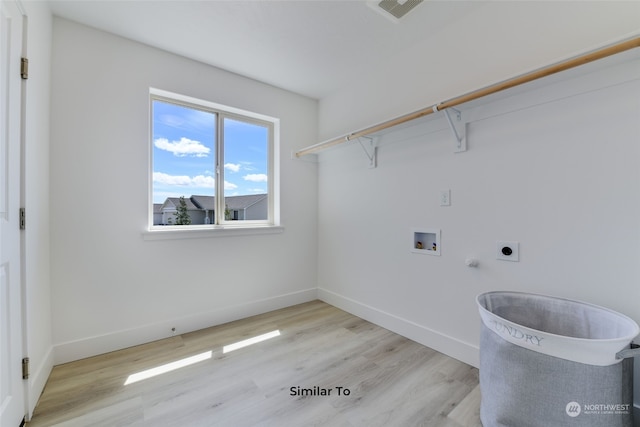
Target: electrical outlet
(507, 251)
(445, 197)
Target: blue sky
(184, 155)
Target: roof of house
(232, 202)
(204, 202)
(197, 202)
(174, 202)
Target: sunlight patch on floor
(163, 369)
(250, 341)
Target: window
(211, 166)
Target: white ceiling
(310, 47)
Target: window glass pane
(246, 170)
(183, 164)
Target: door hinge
(25, 368)
(24, 68)
(22, 219)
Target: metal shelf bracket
(371, 152)
(459, 132)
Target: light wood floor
(392, 381)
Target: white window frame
(220, 227)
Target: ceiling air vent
(398, 8)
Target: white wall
(110, 287)
(37, 294)
(497, 41)
(554, 166)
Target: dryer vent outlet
(507, 251)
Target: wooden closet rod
(516, 81)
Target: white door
(12, 408)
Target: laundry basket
(548, 362)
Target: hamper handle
(632, 351)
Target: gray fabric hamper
(547, 362)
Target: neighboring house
(207, 204)
(170, 209)
(157, 213)
(201, 209)
(252, 207)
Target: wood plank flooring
(385, 379)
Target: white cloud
(203, 181)
(163, 178)
(256, 177)
(182, 148)
(200, 181)
(189, 120)
(171, 120)
(233, 167)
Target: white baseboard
(450, 346)
(92, 346)
(37, 380)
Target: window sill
(174, 233)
